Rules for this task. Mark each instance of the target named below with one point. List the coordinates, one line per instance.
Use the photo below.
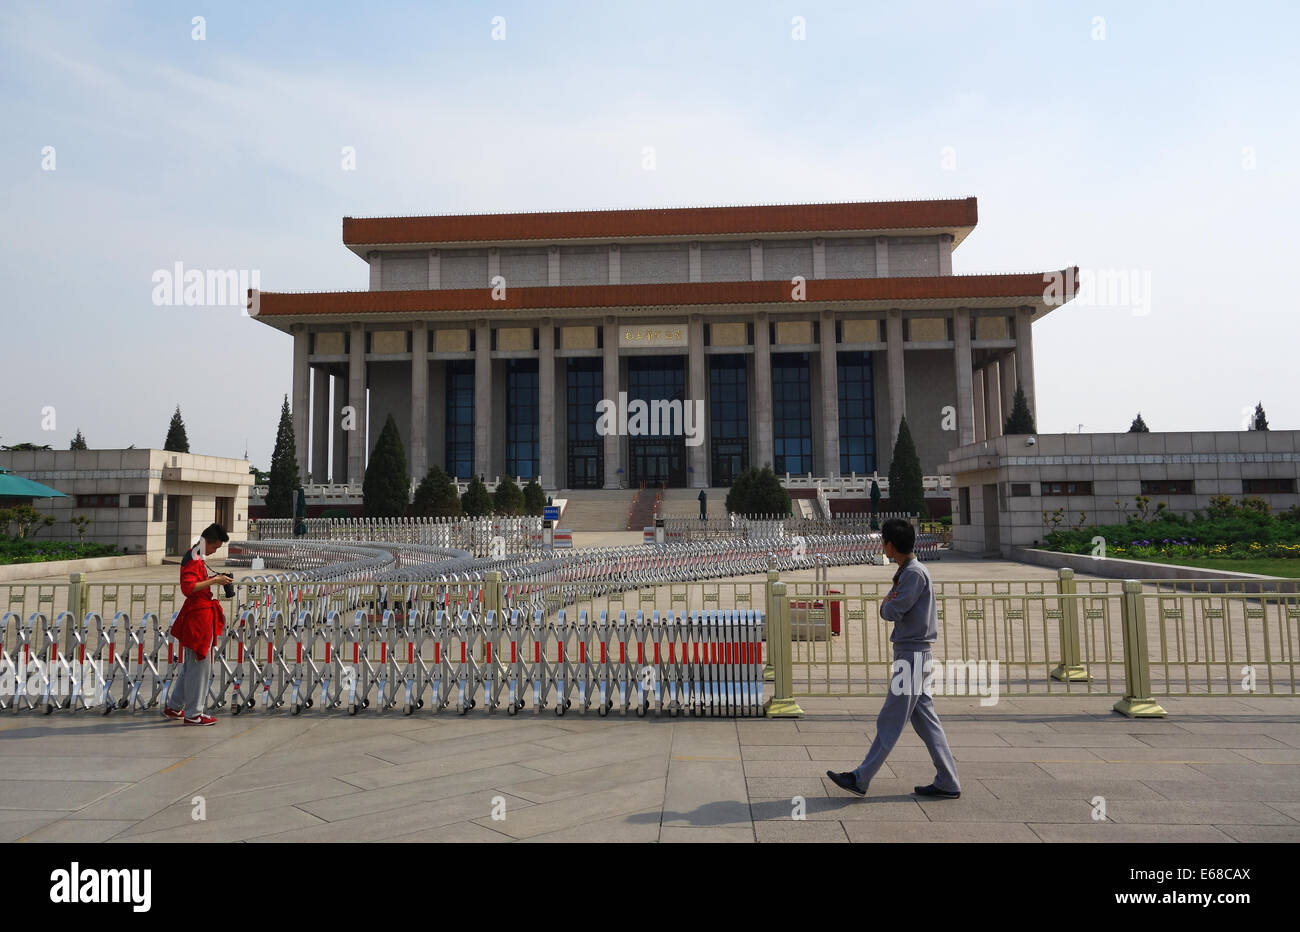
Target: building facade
(1006, 491)
(153, 502)
(801, 334)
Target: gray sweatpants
(909, 705)
(190, 688)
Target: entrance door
(992, 519)
(586, 470)
(173, 525)
(656, 461)
(729, 458)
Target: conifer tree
(284, 477)
(906, 488)
(177, 441)
(386, 490)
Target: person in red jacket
(197, 626)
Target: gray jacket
(911, 606)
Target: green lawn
(1263, 566)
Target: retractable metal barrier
(411, 655)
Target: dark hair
(900, 533)
(215, 532)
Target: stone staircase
(596, 509)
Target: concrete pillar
(697, 391)
(615, 269)
(419, 451)
(339, 473)
(546, 404)
(613, 442)
(763, 447)
(435, 269)
(830, 426)
(483, 400)
(945, 253)
(993, 417)
(819, 258)
(693, 267)
(978, 397)
(298, 400)
(1025, 357)
(1007, 371)
(320, 425)
(882, 257)
(965, 391)
(376, 269)
(894, 362)
(357, 399)
(756, 260)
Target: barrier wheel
(559, 709)
(234, 709)
(512, 709)
(108, 708)
(309, 702)
(520, 705)
(121, 703)
(365, 703)
(420, 704)
(352, 708)
(49, 707)
(603, 711)
(568, 702)
(408, 708)
(640, 711)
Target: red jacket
(200, 620)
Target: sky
(1153, 141)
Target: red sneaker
(173, 713)
(200, 720)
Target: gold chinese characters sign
(673, 335)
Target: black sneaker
(934, 791)
(846, 781)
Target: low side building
(1002, 487)
(144, 501)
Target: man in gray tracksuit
(910, 605)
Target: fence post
(1071, 668)
(492, 593)
(78, 596)
(782, 704)
(768, 602)
(1137, 701)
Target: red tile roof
(684, 221)
(558, 297)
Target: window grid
(791, 414)
(459, 459)
(522, 418)
(857, 413)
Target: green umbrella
(12, 486)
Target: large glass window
(459, 460)
(857, 414)
(659, 458)
(521, 418)
(728, 418)
(791, 414)
(586, 448)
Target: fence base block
(782, 708)
(1073, 674)
(769, 674)
(1139, 708)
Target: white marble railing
(854, 484)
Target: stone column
(763, 447)
(357, 451)
(830, 397)
(696, 390)
(546, 404)
(340, 471)
(1025, 357)
(894, 362)
(965, 391)
(419, 452)
(320, 425)
(376, 269)
(993, 417)
(613, 441)
(882, 257)
(298, 400)
(1007, 371)
(945, 253)
(978, 397)
(483, 400)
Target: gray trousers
(904, 705)
(190, 688)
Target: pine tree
(476, 502)
(758, 492)
(1259, 422)
(436, 497)
(906, 488)
(284, 478)
(534, 498)
(177, 441)
(1020, 421)
(386, 491)
(78, 442)
(1138, 426)
(509, 499)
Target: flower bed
(24, 550)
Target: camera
(228, 588)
